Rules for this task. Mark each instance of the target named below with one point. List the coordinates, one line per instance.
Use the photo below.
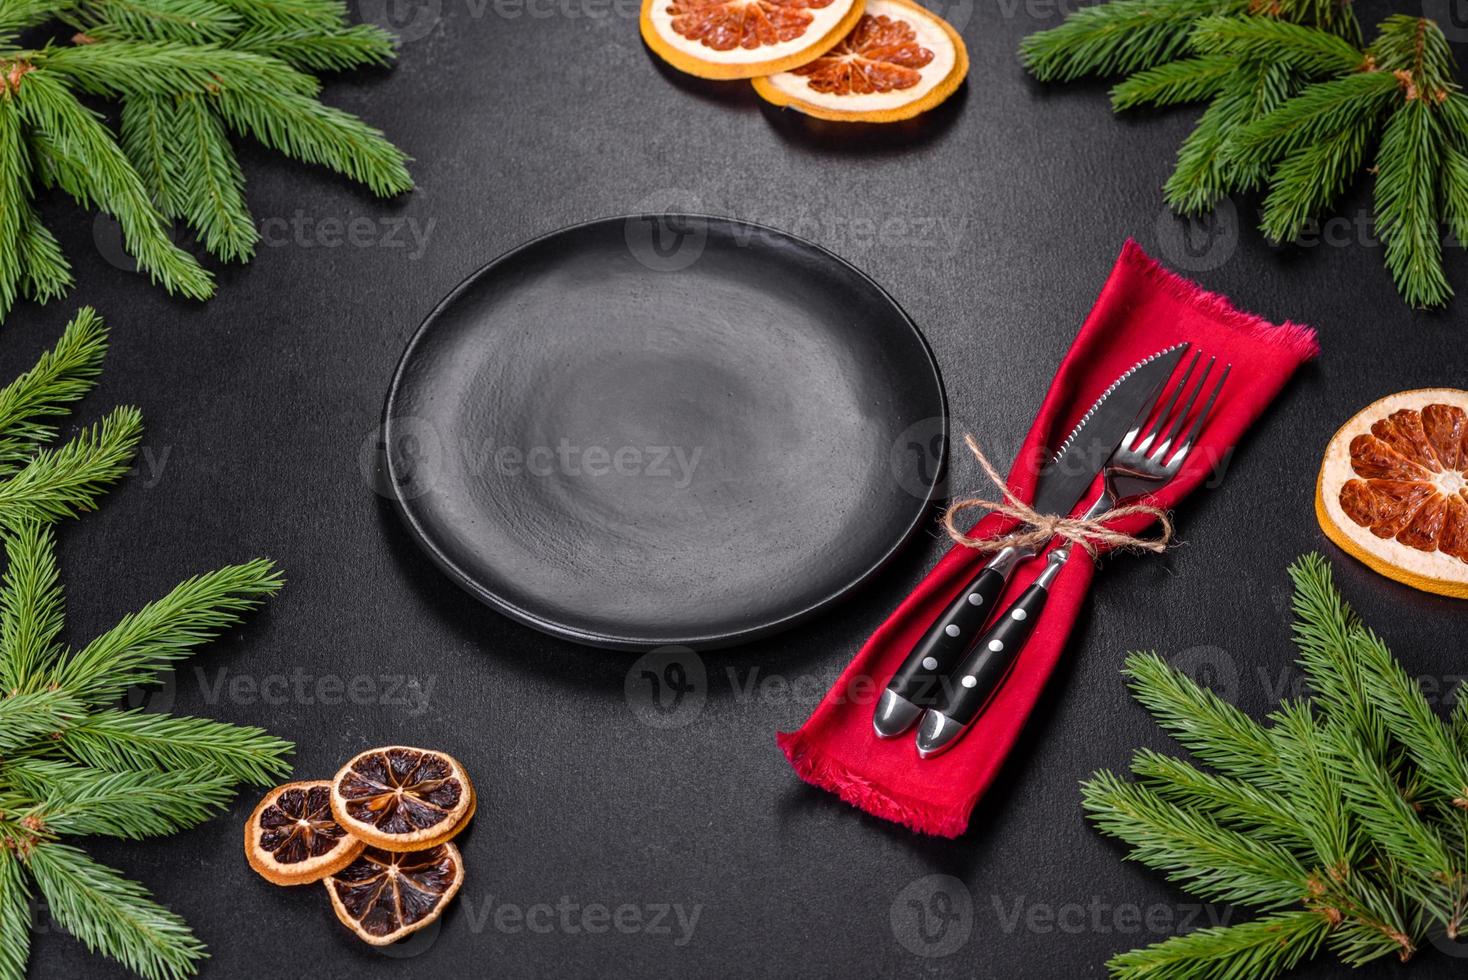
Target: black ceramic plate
(664, 430)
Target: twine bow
(1036, 529)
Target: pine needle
(14, 177)
(134, 804)
(113, 915)
(1255, 950)
(60, 483)
(321, 48)
(165, 631)
(63, 375)
(25, 718)
(119, 740)
(1186, 80)
(91, 168)
(15, 918)
(1407, 179)
(1119, 37)
(211, 193)
(190, 21)
(1211, 728)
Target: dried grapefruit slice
(744, 38)
(383, 896)
(293, 839)
(899, 60)
(1393, 489)
(402, 799)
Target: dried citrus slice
(383, 895)
(292, 838)
(1393, 489)
(744, 38)
(899, 60)
(401, 799)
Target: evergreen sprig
(1344, 820)
(1295, 103)
(188, 74)
(72, 764)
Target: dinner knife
(918, 683)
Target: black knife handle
(920, 678)
(970, 687)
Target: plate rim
(628, 643)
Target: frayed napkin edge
(1293, 338)
(823, 772)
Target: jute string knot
(1036, 529)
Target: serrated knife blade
(1080, 457)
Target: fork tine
(1181, 418)
(1163, 415)
(1187, 446)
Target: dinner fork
(1137, 467)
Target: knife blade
(1060, 485)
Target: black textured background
(526, 118)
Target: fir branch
(211, 193)
(137, 739)
(129, 68)
(1184, 80)
(1323, 628)
(17, 15)
(1455, 192)
(1407, 180)
(1211, 728)
(58, 483)
(290, 15)
(25, 718)
(147, 139)
(1206, 170)
(113, 915)
(1430, 873)
(1404, 708)
(1236, 803)
(134, 803)
(321, 48)
(1313, 792)
(63, 375)
(1119, 37)
(1311, 179)
(15, 918)
(307, 130)
(91, 167)
(1212, 861)
(31, 607)
(164, 631)
(1307, 50)
(1318, 112)
(14, 177)
(46, 274)
(189, 21)
(1254, 950)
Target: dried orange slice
(744, 38)
(383, 896)
(402, 799)
(293, 839)
(898, 61)
(1393, 489)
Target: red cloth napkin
(1142, 309)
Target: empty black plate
(664, 430)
